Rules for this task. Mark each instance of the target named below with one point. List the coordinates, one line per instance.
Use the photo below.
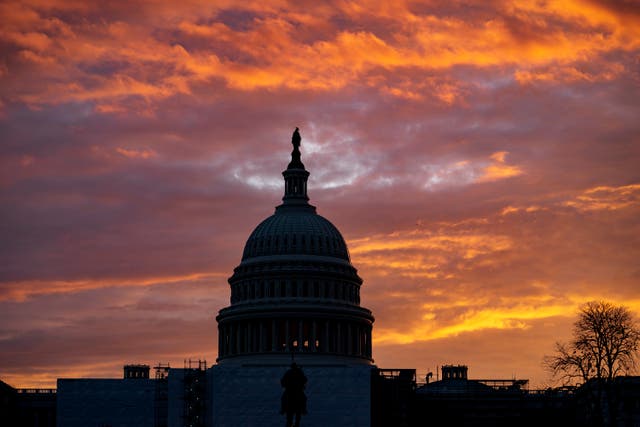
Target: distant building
(174, 397)
(615, 403)
(27, 407)
(457, 400)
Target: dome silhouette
(295, 290)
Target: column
(339, 337)
(326, 336)
(300, 335)
(286, 336)
(221, 340)
(247, 338)
(274, 335)
(349, 339)
(261, 337)
(238, 337)
(232, 337)
(314, 334)
(255, 337)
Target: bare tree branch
(604, 345)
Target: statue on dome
(295, 163)
(294, 401)
(295, 139)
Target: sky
(481, 159)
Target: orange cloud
(477, 314)
(569, 74)
(464, 278)
(499, 169)
(22, 290)
(424, 255)
(515, 209)
(539, 42)
(606, 198)
(136, 154)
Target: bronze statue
(295, 139)
(296, 163)
(294, 401)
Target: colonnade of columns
(296, 186)
(327, 289)
(342, 337)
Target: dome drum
(295, 333)
(295, 264)
(278, 287)
(237, 312)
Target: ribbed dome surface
(299, 232)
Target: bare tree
(604, 345)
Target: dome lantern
(295, 179)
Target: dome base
(284, 359)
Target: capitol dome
(295, 292)
(290, 232)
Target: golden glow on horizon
(481, 315)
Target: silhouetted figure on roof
(294, 401)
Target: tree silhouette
(604, 345)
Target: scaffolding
(392, 393)
(506, 385)
(161, 398)
(162, 371)
(194, 410)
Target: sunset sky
(481, 158)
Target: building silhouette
(295, 292)
(33, 407)
(295, 297)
